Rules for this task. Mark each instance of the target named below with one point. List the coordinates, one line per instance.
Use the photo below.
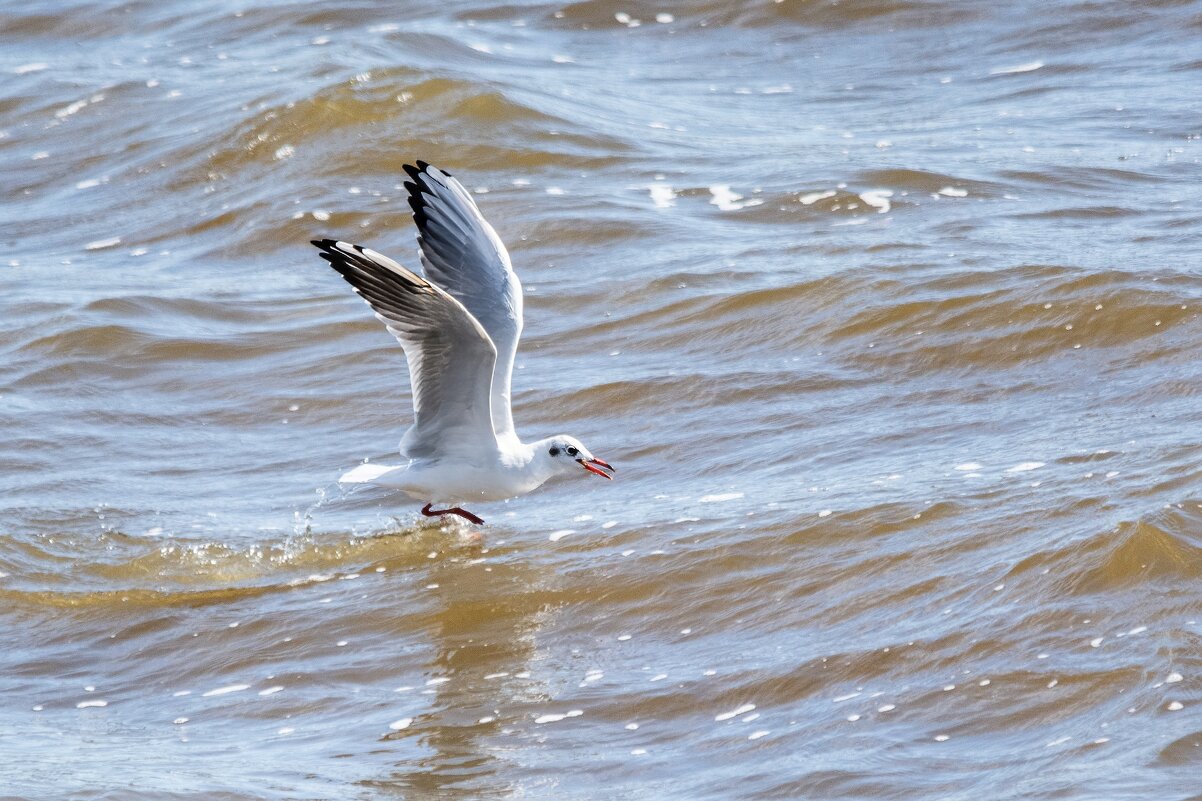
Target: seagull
(459, 327)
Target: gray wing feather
(462, 253)
(451, 358)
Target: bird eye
(554, 451)
(572, 450)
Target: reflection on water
(887, 310)
(483, 632)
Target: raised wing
(450, 356)
(462, 253)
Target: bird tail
(365, 473)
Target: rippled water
(886, 311)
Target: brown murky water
(886, 312)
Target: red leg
(454, 510)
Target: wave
(399, 114)
(750, 14)
(1162, 549)
(162, 570)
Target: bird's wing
(462, 253)
(450, 356)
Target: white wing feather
(463, 255)
(451, 358)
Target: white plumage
(459, 327)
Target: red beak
(592, 466)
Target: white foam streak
(813, 197)
(720, 497)
(878, 199)
(745, 708)
(662, 196)
(232, 688)
(555, 717)
(1030, 66)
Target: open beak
(595, 465)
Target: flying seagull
(459, 327)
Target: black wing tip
(329, 247)
(330, 250)
(353, 265)
(422, 183)
(424, 166)
(418, 168)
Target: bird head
(566, 453)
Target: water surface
(885, 311)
